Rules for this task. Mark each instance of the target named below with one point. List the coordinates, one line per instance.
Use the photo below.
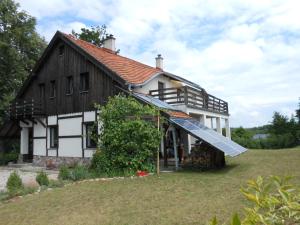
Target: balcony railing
(26, 109)
(191, 97)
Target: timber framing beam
(41, 122)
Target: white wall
(153, 84)
(89, 116)
(51, 152)
(24, 140)
(70, 147)
(39, 130)
(70, 126)
(52, 120)
(39, 147)
(88, 153)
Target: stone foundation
(53, 162)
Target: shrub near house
(128, 142)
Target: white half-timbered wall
(71, 135)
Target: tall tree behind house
(94, 35)
(20, 48)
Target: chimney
(159, 62)
(109, 43)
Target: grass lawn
(173, 198)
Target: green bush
(80, 172)
(64, 173)
(5, 158)
(273, 201)
(128, 141)
(14, 184)
(42, 179)
(100, 164)
(55, 183)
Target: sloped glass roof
(153, 101)
(198, 130)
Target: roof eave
(173, 76)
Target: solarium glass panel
(210, 136)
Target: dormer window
(52, 89)
(42, 91)
(69, 85)
(84, 82)
(61, 50)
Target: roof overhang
(171, 76)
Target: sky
(246, 52)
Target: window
(52, 89)
(61, 50)
(53, 137)
(161, 87)
(42, 91)
(90, 130)
(84, 81)
(69, 85)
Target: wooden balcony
(21, 110)
(191, 97)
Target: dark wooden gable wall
(57, 68)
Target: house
(55, 107)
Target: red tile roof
(178, 114)
(130, 70)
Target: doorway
(29, 157)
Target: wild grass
(184, 197)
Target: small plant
(42, 179)
(64, 173)
(14, 184)
(55, 183)
(274, 201)
(80, 172)
(99, 163)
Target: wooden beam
(175, 147)
(41, 122)
(24, 121)
(33, 121)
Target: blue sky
(243, 51)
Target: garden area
(184, 197)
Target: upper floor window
(61, 50)
(52, 89)
(84, 81)
(69, 85)
(42, 91)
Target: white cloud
(49, 31)
(246, 52)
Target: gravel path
(27, 177)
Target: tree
(280, 124)
(128, 141)
(298, 113)
(94, 35)
(20, 48)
